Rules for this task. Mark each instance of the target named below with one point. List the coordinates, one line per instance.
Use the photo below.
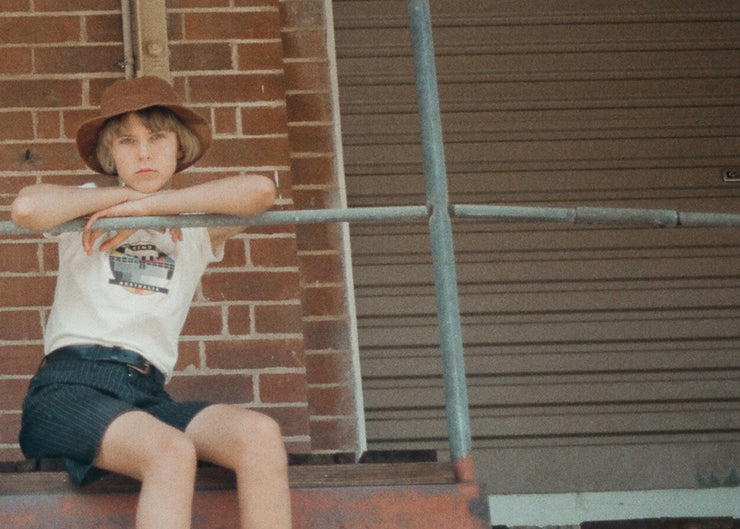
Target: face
(145, 160)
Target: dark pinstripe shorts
(71, 403)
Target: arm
(43, 206)
(242, 196)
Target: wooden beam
(215, 478)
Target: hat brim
(89, 131)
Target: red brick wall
(268, 329)
(321, 248)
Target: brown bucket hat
(126, 96)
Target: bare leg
(250, 443)
(162, 458)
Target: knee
(175, 453)
(262, 442)
(267, 428)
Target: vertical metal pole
(440, 226)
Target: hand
(121, 210)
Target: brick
(98, 86)
(232, 25)
(285, 191)
(72, 119)
(313, 170)
(26, 292)
(188, 355)
(302, 13)
(225, 120)
(180, 4)
(20, 325)
(314, 198)
(305, 43)
(187, 56)
(79, 178)
(9, 186)
(308, 75)
(20, 359)
(333, 434)
(77, 5)
(308, 107)
(49, 126)
(10, 425)
(311, 138)
(329, 368)
(293, 420)
(237, 88)
(325, 301)
(40, 29)
(16, 125)
(50, 256)
(16, 61)
(260, 56)
(255, 286)
(283, 387)
(59, 156)
(321, 268)
(255, 354)
(20, 257)
(78, 59)
(104, 28)
(264, 120)
(45, 94)
(256, 3)
(229, 389)
(12, 391)
(276, 319)
(235, 254)
(326, 334)
(240, 319)
(203, 321)
(10, 6)
(332, 400)
(11, 454)
(317, 237)
(253, 152)
(277, 252)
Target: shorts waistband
(102, 353)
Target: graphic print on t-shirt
(141, 268)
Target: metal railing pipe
(443, 255)
(647, 218)
(270, 218)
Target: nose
(144, 150)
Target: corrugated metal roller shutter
(598, 358)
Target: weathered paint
(458, 506)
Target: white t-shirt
(136, 296)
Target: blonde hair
(156, 119)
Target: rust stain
(458, 506)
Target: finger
(88, 240)
(176, 234)
(117, 239)
(94, 217)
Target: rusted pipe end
(464, 471)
